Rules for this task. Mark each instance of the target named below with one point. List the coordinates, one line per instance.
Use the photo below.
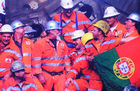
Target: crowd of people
(61, 58)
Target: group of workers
(62, 59)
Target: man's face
(68, 12)
(54, 33)
(20, 74)
(95, 32)
(77, 43)
(20, 32)
(5, 38)
(111, 20)
(129, 24)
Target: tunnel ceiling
(40, 11)
(30, 11)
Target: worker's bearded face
(95, 32)
(68, 12)
(20, 74)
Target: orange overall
(118, 31)
(89, 79)
(51, 62)
(77, 19)
(106, 44)
(27, 85)
(134, 33)
(7, 56)
(25, 51)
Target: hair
(47, 32)
(86, 8)
(39, 27)
(137, 25)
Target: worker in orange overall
(50, 59)
(117, 29)
(69, 21)
(101, 42)
(18, 81)
(132, 21)
(22, 45)
(90, 47)
(7, 56)
(88, 79)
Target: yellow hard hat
(77, 34)
(86, 37)
(103, 25)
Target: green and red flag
(120, 66)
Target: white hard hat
(16, 24)
(16, 66)
(67, 4)
(6, 28)
(110, 11)
(77, 34)
(29, 29)
(134, 16)
(52, 25)
(130, 88)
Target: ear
(100, 32)
(133, 23)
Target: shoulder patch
(62, 44)
(120, 31)
(28, 42)
(8, 60)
